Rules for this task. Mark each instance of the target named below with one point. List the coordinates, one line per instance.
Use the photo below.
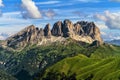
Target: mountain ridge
(81, 31)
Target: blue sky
(17, 14)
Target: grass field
(82, 68)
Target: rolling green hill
(82, 68)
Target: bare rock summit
(81, 31)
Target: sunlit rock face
(81, 31)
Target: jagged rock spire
(57, 29)
(47, 31)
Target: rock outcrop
(81, 31)
(57, 29)
(78, 29)
(28, 35)
(47, 31)
(67, 28)
(90, 29)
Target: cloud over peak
(30, 10)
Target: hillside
(82, 68)
(35, 59)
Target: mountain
(65, 51)
(81, 31)
(115, 42)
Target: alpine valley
(65, 51)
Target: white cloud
(110, 34)
(1, 3)
(1, 13)
(5, 35)
(103, 33)
(89, 0)
(115, 0)
(50, 13)
(101, 26)
(48, 2)
(112, 20)
(112, 37)
(12, 21)
(116, 38)
(30, 9)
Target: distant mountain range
(115, 42)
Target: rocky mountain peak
(67, 28)
(78, 29)
(81, 31)
(47, 31)
(57, 29)
(30, 27)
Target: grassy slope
(106, 51)
(84, 68)
(102, 64)
(36, 58)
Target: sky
(17, 14)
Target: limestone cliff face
(47, 31)
(57, 29)
(67, 28)
(90, 29)
(81, 31)
(27, 35)
(78, 29)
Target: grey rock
(81, 31)
(57, 29)
(47, 31)
(67, 28)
